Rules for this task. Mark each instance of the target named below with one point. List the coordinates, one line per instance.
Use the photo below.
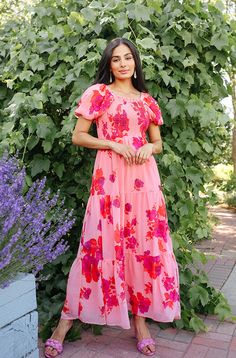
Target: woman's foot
(142, 333)
(59, 335)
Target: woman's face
(122, 62)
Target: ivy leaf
(59, 169)
(39, 164)
(32, 142)
(194, 175)
(166, 50)
(147, 43)
(18, 98)
(122, 21)
(197, 324)
(139, 12)
(223, 310)
(208, 148)
(156, 5)
(166, 78)
(89, 14)
(47, 146)
(44, 126)
(187, 37)
(198, 294)
(219, 40)
(193, 148)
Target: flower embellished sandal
(53, 343)
(144, 343)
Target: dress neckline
(114, 94)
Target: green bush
(46, 62)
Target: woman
(125, 260)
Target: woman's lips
(124, 71)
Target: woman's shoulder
(97, 88)
(147, 97)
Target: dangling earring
(135, 74)
(110, 77)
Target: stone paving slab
(218, 342)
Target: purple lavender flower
(32, 225)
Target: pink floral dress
(125, 260)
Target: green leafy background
(48, 60)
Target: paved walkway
(218, 342)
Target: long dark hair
(103, 73)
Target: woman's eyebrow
(129, 53)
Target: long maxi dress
(125, 260)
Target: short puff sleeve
(156, 116)
(94, 102)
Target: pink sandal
(53, 343)
(144, 343)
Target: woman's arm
(82, 138)
(155, 138)
(154, 147)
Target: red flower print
(138, 302)
(152, 264)
(161, 246)
(157, 228)
(151, 214)
(152, 104)
(143, 117)
(66, 307)
(160, 229)
(98, 181)
(138, 142)
(119, 239)
(128, 233)
(128, 208)
(80, 308)
(96, 101)
(116, 202)
(131, 243)
(99, 102)
(109, 294)
(105, 208)
(112, 177)
(85, 293)
(92, 251)
(162, 209)
(138, 184)
(170, 298)
(168, 282)
(172, 295)
(99, 227)
(119, 123)
(117, 234)
(119, 253)
(148, 288)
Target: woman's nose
(122, 63)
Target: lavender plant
(32, 224)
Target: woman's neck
(124, 86)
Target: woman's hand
(143, 153)
(125, 150)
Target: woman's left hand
(143, 153)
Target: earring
(135, 74)
(110, 77)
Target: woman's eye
(129, 58)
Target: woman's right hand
(125, 150)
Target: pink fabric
(125, 260)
